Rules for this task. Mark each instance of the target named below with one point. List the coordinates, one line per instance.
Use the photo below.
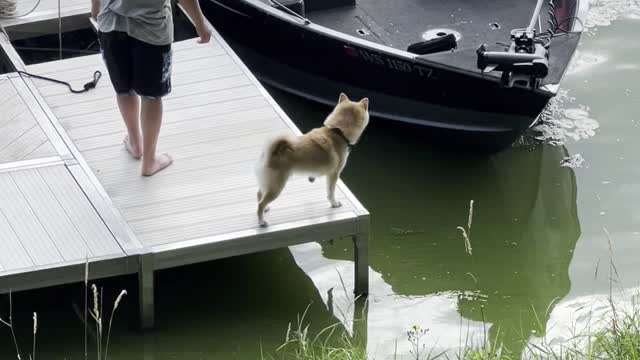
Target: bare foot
(161, 162)
(135, 152)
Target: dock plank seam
(44, 143)
(23, 131)
(36, 216)
(89, 250)
(10, 227)
(33, 227)
(43, 122)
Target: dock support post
(146, 291)
(361, 247)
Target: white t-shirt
(150, 21)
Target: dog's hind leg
(268, 195)
(260, 198)
(263, 206)
(332, 182)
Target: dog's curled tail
(279, 146)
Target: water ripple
(562, 121)
(573, 161)
(603, 12)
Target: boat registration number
(391, 63)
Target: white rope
(8, 9)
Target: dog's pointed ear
(365, 103)
(342, 98)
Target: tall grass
(35, 333)
(102, 349)
(11, 327)
(466, 233)
(619, 341)
(330, 343)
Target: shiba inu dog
(320, 152)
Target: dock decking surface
(46, 219)
(21, 137)
(47, 222)
(83, 196)
(215, 125)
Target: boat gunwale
(546, 90)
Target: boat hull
(318, 64)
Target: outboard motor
(526, 61)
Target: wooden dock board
(47, 222)
(216, 123)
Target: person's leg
(129, 106)
(152, 81)
(151, 117)
(117, 52)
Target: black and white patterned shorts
(136, 67)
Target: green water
(537, 239)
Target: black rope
(88, 86)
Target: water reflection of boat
(525, 228)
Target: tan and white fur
(320, 152)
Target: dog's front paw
(336, 204)
(312, 179)
(263, 223)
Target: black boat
(478, 68)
